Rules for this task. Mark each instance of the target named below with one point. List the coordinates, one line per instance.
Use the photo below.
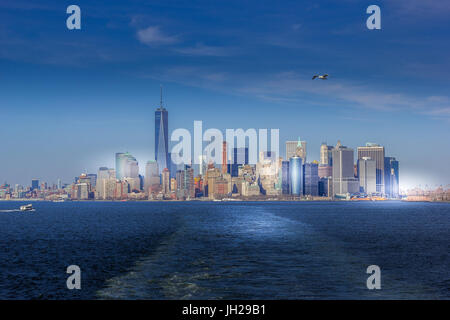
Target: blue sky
(70, 99)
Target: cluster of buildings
(440, 194)
(36, 190)
(336, 176)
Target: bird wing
(314, 77)
(325, 75)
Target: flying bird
(323, 77)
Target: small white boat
(28, 207)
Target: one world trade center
(161, 137)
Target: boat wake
(14, 210)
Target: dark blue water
(193, 250)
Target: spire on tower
(161, 99)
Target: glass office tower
(285, 177)
(311, 179)
(391, 177)
(161, 138)
(296, 176)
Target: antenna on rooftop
(161, 98)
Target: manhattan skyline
(71, 100)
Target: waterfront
(201, 250)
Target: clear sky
(70, 99)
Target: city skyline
(292, 151)
(72, 99)
(249, 169)
(300, 144)
(239, 178)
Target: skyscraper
(344, 180)
(161, 137)
(296, 148)
(165, 181)
(296, 175)
(105, 173)
(120, 165)
(285, 177)
(34, 184)
(391, 177)
(202, 167)
(326, 187)
(325, 155)
(224, 157)
(311, 179)
(152, 177)
(106, 183)
(376, 152)
(126, 166)
(189, 181)
(181, 184)
(172, 166)
(367, 175)
(93, 178)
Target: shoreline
(228, 201)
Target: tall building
(267, 172)
(121, 190)
(106, 173)
(239, 158)
(161, 137)
(326, 158)
(106, 183)
(126, 166)
(189, 181)
(296, 148)
(202, 167)
(224, 157)
(172, 166)
(311, 179)
(152, 178)
(296, 176)
(134, 184)
(326, 187)
(367, 175)
(285, 177)
(120, 165)
(34, 184)
(180, 180)
(300, 151)
(82, 191)
(166, 182)
(212, 175)
(376, 152)
(173, 183)
(391, 177)
(344, 180)
(132, 168)
(93, 179)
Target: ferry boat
(28, 207)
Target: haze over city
(71, 99)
